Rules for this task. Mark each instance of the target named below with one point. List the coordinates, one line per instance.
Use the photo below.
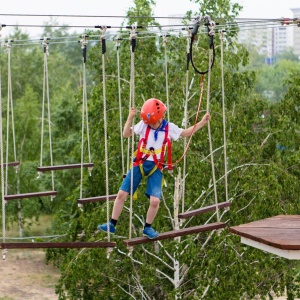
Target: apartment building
(296, 33)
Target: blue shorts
(154, 181)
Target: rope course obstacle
(7, 198)
(46, 97)
(241, 24)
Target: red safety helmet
(152, 110)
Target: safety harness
(142, 154)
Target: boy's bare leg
(153, 209)
(119, 204)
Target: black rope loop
(211, 33)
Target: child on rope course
(155, 132)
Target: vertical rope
(12, 109)
(165, 39)
(224, 115)
(185, 123)
(84, 106)
(103, 40)
(209, 133)
(4, 251)
(9, 101)
(47, 95)
(120, 105)
(43, 111)
(132, 97)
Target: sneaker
(104, 227)
(150, 233)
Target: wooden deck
(279, 235)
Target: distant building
(296, 42)
(268, 40)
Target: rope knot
(103, 29)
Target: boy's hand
(206, 118)
(132, 113)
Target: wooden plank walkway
(279, 235)
(30, 195)
(203, 210)
(57, 245)
(64, 167)
(96, 199)
(175, 233)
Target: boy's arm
(188, 132)
(127, 130)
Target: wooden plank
(57, 245)
(282, 232)
(30, 195)
(280, 221)
(175, 233)
(96, 199)
(11, 164)
(64, 167)
(203, 210)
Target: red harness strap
(140, 159)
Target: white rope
(10, 112)
(84, 43)
(103, 40)
(165, 39)
(209, 133)
(224, 115)
(4, 251)
(132, 97)
(185, 124)
(120, 106)
(46, 95)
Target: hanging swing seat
(29, 195)
(175, 233)
(11, 164)
(64, 167)
(96, 199)
(203, 210)
(278, 235)
(57, 245)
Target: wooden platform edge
(289, 254)
(203, 210)
(64, 167)
(57, 245)
(235, 230)
(175, 233)
(96, 199)
(29, 195)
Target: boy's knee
(154, 201)
(122, 195)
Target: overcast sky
(252, 9)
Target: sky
(252, 9)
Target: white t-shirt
(174, 133)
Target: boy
(154, 132)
